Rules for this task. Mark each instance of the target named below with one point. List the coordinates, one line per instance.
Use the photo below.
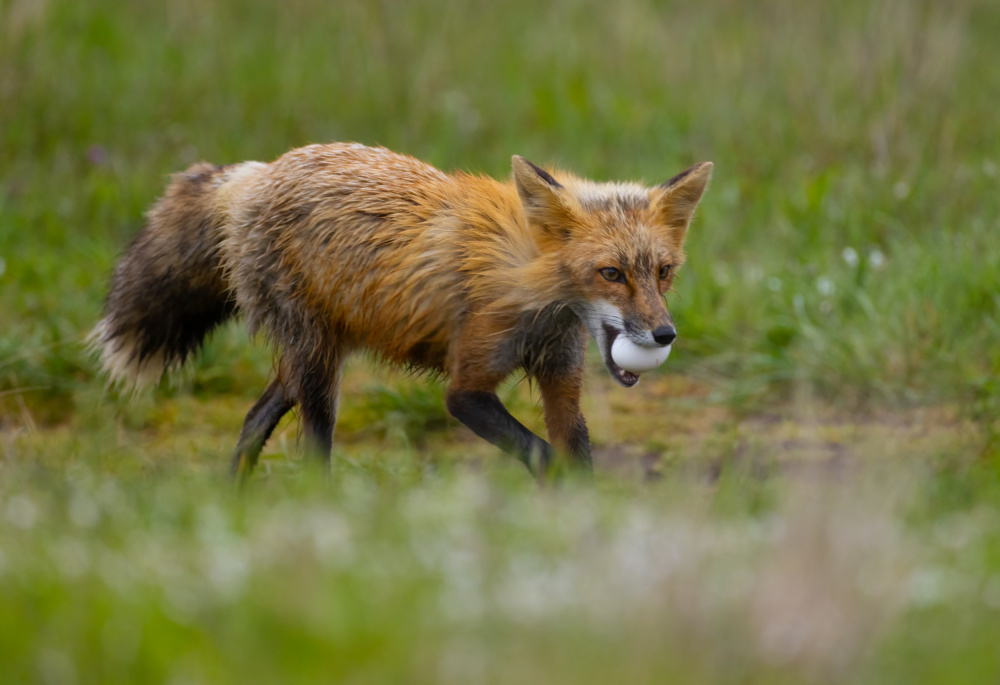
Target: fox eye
(612, 274)
(664, 272)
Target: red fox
(338, 248)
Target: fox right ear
(530, 177)
(540, 196)
(674, 202)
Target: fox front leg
(563, 418)
(482, 358)
(484, 413)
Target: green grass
(392, 574)
(809, 492)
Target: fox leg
(258, 426)
(317, 389)
(485, 414)
(563, 419)
(471, 397)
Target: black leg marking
(318, 403)
(257, 428)
(579, 444)
(485, 414)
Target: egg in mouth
(626, 360)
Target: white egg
(636, 358)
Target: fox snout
(664, 335)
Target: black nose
(664, 335)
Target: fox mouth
(624, 378)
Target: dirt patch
(706, 441)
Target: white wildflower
(876, 258)
(850, 256)
(825, 286)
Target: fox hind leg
(317, 396)
(258, 426)
(313, 385)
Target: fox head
(613, 249)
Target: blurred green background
(840, 310)
(848, 241)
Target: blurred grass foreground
(809, 491)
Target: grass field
(809, 490)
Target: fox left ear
(674, 202)
(541, 197)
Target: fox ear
(674, 202)
(541, 197)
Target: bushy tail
(168, 291)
